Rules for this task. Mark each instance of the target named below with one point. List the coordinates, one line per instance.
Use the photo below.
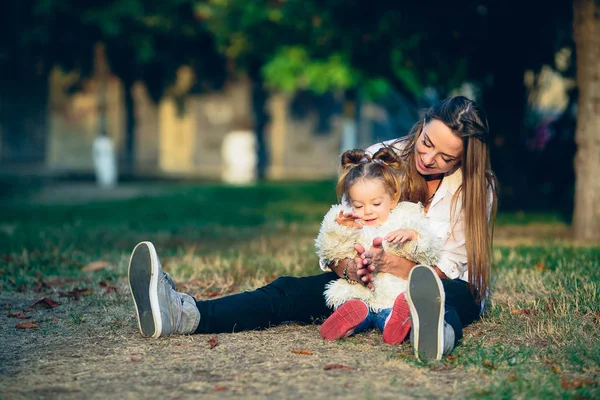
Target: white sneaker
(160, 310)
(425, 296)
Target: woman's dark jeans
(287, 299)
(291, 299)
(461, 306)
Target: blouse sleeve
(453, 257)
(452, 260)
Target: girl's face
(438, 150)
(371, 201)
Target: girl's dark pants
(291, 299)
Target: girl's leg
(287, 299)
(396, 327)
(380, 318)
(350, 318)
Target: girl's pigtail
(389, 157)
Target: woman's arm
(349, 269)
(377, 260)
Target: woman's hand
(348, 219)
(377, 260)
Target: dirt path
(91, 349)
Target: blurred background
(240, 91)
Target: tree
(586, 27)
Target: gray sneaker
(425, 296)
(161, 311)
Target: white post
(105, 162)
(239, 157)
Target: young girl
(371, 186)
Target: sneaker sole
(426, 298)
(397, 328)
(143, 282)
(344, 320)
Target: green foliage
(292, 69)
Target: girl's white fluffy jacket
(336, 242)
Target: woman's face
(438, 150)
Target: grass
(539, 337)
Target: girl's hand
(348, 219)
(364, 274)
(401, 236)
(377, 260)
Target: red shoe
(344, 320)
(398, 326)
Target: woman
(448, 171)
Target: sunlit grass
(538, 339)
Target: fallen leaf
(304, 352)
(597, 315)
(511, 378)
(576, 383)
(212, 294)
(76, 294)
(45, 303)
(337, 366)
(539, 267)
(27, 325)
(219, 388)
(213, 342)
(451, 357)
(488, 364)
(110, 289)
(29, 309)
(96, 266)
(136, 359)
(14, 314)
(40, 286)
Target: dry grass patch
(538, 339)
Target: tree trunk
(261, 118)
(586, 26)
(130, 124)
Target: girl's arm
(422, 249)
(335, 242)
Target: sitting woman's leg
(462, 308)
(285, 299)
(162, 311)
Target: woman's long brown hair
(467, 121)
